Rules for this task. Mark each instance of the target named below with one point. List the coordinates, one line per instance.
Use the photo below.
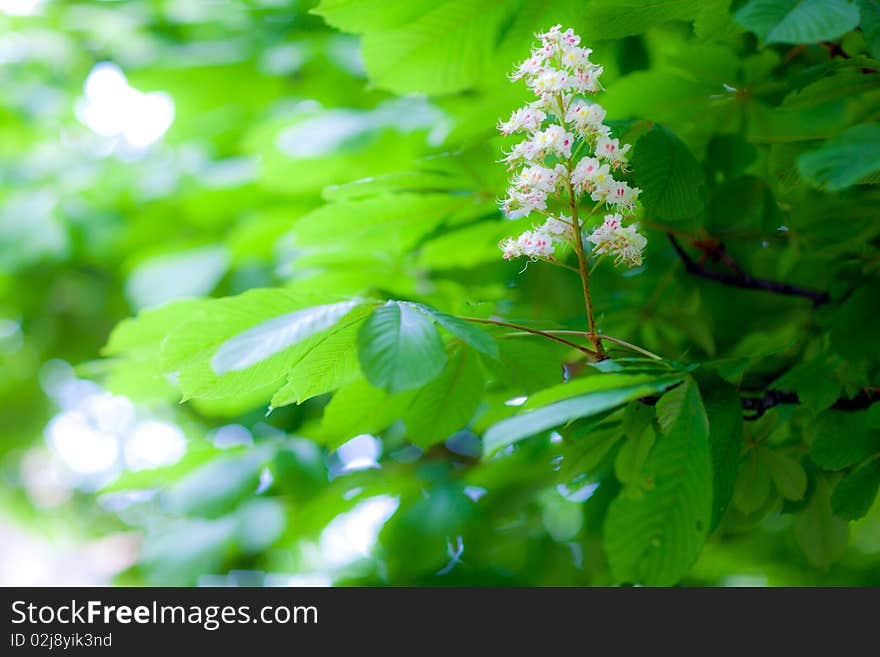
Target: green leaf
(787, 473)
(671, 180)
(755, 209)
(715, 23)
(526, 365)
(854, 329)
(612, 19)
(465, 331)
(855, 493)
(141, 336)
(845, 82)
(729, 154)
(815, 388)
(447, 403)
(634, 452)
(274, 335)
(389, 223)
(579, 399)
(753, 485)
(798, 21)
(237, 345)
(723, 408)
(821, 535)
(872, 417)
(363, 15)
(842, 440)
(399, 348)
(331, 363)
(464, 248)
(653, 532)
(594, 382)
(844, 160)
(586, 446)
(359, 408)
(870, 25)
(442, 51)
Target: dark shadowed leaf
(671, 180)
(855, 493)
(655, 529)
(724, 411)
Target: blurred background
(152, 150)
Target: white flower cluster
(559, 126)
(623, 242)
(540, 242)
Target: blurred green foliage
(293, 256)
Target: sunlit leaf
(584, 398)
(798, 21)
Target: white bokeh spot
(112, 108)
(154, 444)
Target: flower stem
(560, 264)
(579, 247)
(585, 278)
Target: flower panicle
(567, 148)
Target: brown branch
(714, 249)
(527, 329)
(834, 50)
(602, 336)
(744, 280)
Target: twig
(629, 345)
(744, 280)
(714, 249)
(602, 336)
(772, 398)
(528, 329)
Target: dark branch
(743, 280)
(714, 249)
(771, 398)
